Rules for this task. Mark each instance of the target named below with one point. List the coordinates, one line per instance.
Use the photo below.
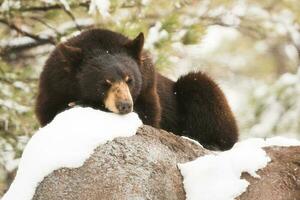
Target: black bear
(108, 71)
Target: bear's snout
(124, 107)
(118, 98)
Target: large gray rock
(144, 166)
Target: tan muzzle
(118, 98)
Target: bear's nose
(124, 107)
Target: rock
(144, 166)
(280, 180)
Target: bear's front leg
(148, 108)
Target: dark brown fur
(201, 110)
(77, 69)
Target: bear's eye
(128, 80)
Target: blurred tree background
(250, 47)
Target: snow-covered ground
(217, 176)
(67, 142)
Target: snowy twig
(6, 50)
(26, 33)
(5, 80)
(70, 14)
(47, 25)
(15, 46)
(48, 7)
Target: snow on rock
(67, 142)
(217, 176)
(281, 141)
(194, 141)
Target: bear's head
(108, 76)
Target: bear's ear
(135, 46)
(70, 55)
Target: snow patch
(191, 140)
(230, 19)
(7, 4)
(281, 141)
(102, 6)
(22, 86)
(215, 36)
(156, 34)
(217, 176)
(67, 142)
(10, 104)
(65, 4)
(291, 51)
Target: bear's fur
(200, 108)
(108, 71)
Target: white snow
(7, 5)
(10, 104)
(217, 176)
(281, 141)
(218, 11)
(240, 8)
(268, 118)
(65, 4)
(215, 36)
(145, 2)
(102, 6)
(230, 19)
(16, 41)
(156, 34)
(291, 51)
(295, 35)
(202, 7)
(67, 142)
(191, 140)
(257, 12)
(22, 86)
